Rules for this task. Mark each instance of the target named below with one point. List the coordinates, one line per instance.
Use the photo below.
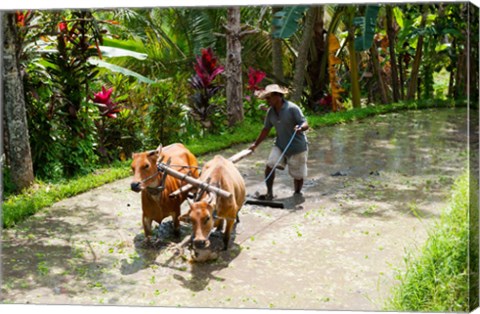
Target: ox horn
(211, 198)
(159, 148)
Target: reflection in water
(410, 145)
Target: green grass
(435, 279)
(18, 207)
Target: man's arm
(302, 128)
(263, 135)
(300, 120)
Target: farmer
(289, 123)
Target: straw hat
(272, 88)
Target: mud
(374, 189)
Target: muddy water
(374, 189)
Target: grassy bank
(435, 279)
(17, 208)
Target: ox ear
(151, 153)
(185, 218)
(159, 149)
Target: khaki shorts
(297, 164)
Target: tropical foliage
(101, 84)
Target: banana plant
(286, 21)
(367, 24)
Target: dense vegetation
(101, 84)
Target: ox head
(200, 215)
(144, 168)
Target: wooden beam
(235, 158)
(193, 181)
(239, 156)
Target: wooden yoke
(235, 158)
(165, 169)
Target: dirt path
(374, 188)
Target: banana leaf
(286, 21)
(333, 60)
(131, 44)
(367, 23)
(119, 69)
(398, 16)
(112, 52)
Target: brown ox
(156, 205)
(212, 211)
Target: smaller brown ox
(156, 205)
(212, 211)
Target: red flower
(326, 101)
(21, 17)
(208, 59)
(206, 67)
(103, 100)
(254, 78)
(63, 27)
(103, 97)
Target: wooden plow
(205, 186)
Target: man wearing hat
(291, 142)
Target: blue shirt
(284, 122)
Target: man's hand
(252, 147)
(298, 128)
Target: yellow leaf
(333, 43)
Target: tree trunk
(353, 59)
(412, 88)
(461, 89)
(402, 76)
(277, 54)
(301, 62)
(317, 81)
(378, 72)
(233, 67)
(473, 61)
(19, 152)
(393, 59)
(451, 80)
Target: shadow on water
(202, 273)
(148, 252)
(43, 252)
